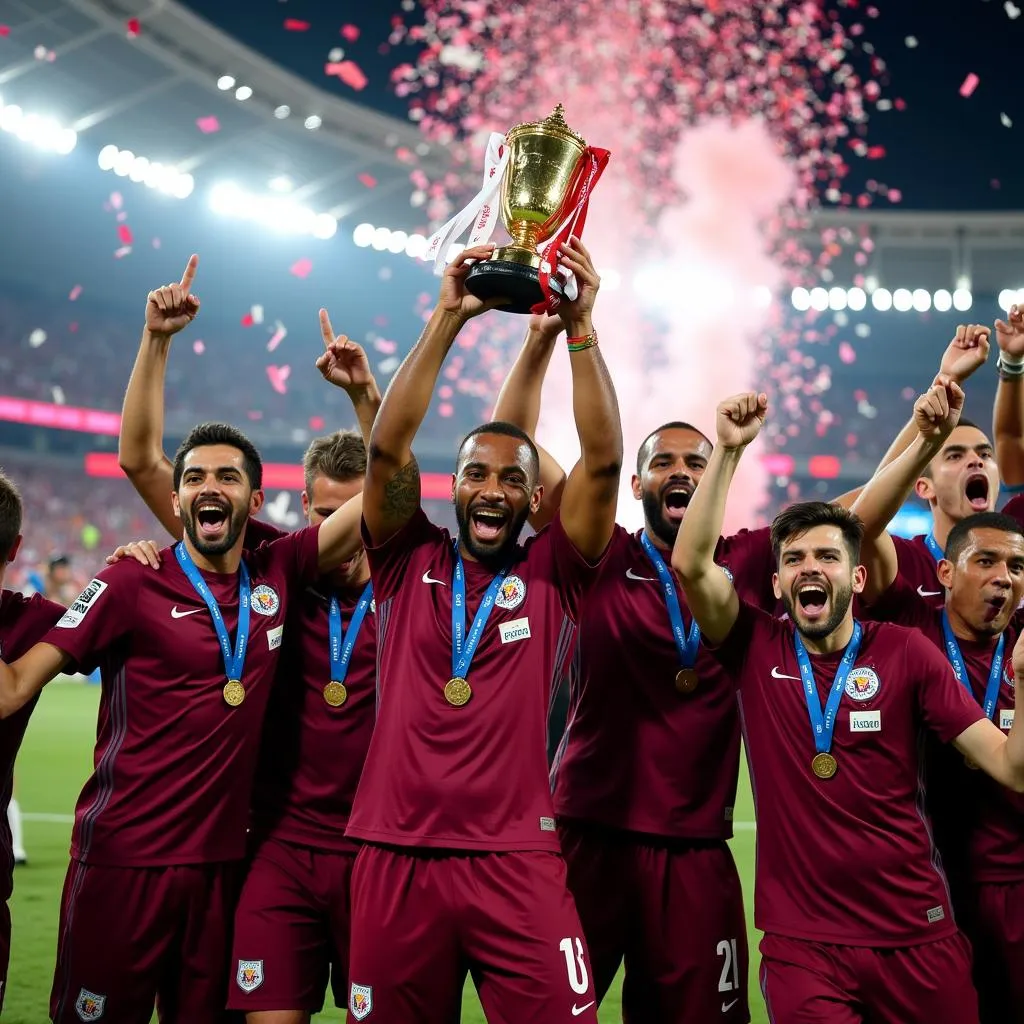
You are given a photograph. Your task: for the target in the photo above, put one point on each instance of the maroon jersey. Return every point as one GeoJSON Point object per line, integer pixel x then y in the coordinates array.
{"type": "Point", "coordinates": [846, 860]}
{"type": "Point", "coordinates": [471, 777]}
{"type": "Point", "coordinates": [990, 817]}
{"type": "Point", "coordinates": [917, 565]}
{"type": "Point", "coordinates": [636, 754]}
{"type": "Point", "coordinates": [24, 621]}
{"type": "Point", "coordinates": [174, 763]}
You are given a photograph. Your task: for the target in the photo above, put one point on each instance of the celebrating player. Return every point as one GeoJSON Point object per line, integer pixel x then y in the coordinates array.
{"type": "Point", "coordinates": [982, 573]}
{"type": "Point", "coordinates": [292, 921]}
{"type": "Point", "coordinates": [461, 866]}
{"type": "Point", "coordinates": [849, 892]}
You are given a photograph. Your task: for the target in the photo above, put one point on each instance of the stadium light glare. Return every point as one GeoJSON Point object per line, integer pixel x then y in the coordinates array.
{"type": "Point", "coordinates": [275, 212]}
{"type": "Point", "coordinates": [151, 173]}
{"type": "Point", "coordinates": [381, 237]}
{"type": "Point", "coordinates": [281, 183]}
{"type": "Point", "coordinates": [881, 299]}
{"type": "Point", "coordinates": [856, 299]}
{"type": "Point", "coordinates": [138, 169]}
{"type": "Point", "coordinates": [67, 139]}
{"type": "Point", "coordinates": [108, 154]}
{"type": "Point", "coordinates": [325, 226]}
{"type": "Point", "coordinates": [363, 235]}
{"type": "Point", "coordinates": [397, 242]}
{"type": "Point", "coordinates": [801, 299]}
{"type": "Point", "coordinates": [225, 82]}
{"type": "Point", "coordinates": [962, 300]}
{"type": "Point", "coordinates": [416, 247]}
{"type": "Point", "coordinates": [243, 92]}
{"type": "Point", "coordinates": [921, 300]}
{"type": "Point", "coordinates": [10, 117]}
{"type": "Point", "coordinates": [836, 299]}
{"type": "Point", "coordinates": [762, 295]}
{"type": "Point", "coordinates": [183, 187]}
{"type": "Point", "coordinates": [1009, 297]}
{"type": "Point", "coordinates": [942, 300]}
{"type": "Point", "coordinates": [123, 162]}
{"type": "Point", "coordinates": [819, 299]}
{"type": "Point", "coordinates": [902, 300]}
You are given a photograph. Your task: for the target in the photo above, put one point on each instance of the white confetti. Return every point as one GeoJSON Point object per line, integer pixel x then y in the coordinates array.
{"type": "Point", "coordinates": [1005, 120]}
{"type": "Point", "coordinates": [280, 333]}
{"type": "Point", "coordinates": [37, 337]}
{"type": "Point", "coordinates": [388, 365]}
{"type": "Point", "coordinates": [336, 54]}
{"type": "Point", "coordinates": [1012, 10]}
{"type": "Point", "coordinates": [256, 312]}
{"type": "Point", "coordinates": [911, 42]}
{"type": "Point", "coordinates": [58, 394]}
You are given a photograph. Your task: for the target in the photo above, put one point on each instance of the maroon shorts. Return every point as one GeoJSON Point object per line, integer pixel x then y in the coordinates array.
{"type": "Point", "coordinates": [672, 912]}
{"type": "Point", "coordinates": [997, 934]}
{"type": "Point", "coordinates": [291, 929]}
{"type": "Point", "coordinates": [134, 937]}
{"type": "Point", "coordinates": [422, 919]}
{"type": "Point", "coordinates": [817, 983]}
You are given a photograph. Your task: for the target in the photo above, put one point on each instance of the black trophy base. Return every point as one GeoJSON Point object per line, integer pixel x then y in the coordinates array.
{"type": "Point", "coordinates": [503, 279]}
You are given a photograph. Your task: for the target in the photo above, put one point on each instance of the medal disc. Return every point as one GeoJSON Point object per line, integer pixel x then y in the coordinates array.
{"type": "Point", "coordinates": [457, 692]}
{"type": "Point", "coordinates": [234, 693]}
{"type": "Point", "coordinates": [824, 766]}
{"type": "Point", "coordinates": [335, 693]}
{"type": "Point", "coordinates": [686, 680]}
{"type": "Point", "coordinates": [973, 765]}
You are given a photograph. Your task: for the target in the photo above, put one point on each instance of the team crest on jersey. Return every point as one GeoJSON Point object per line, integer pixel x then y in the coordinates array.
{"type": "Point", "coordinates": [90, 1006]}
{"type": "Point", "coordinates": [249, 975]}
{"type": "Point", "coordinates": [361, 1001]}
{"type": "Point", "coordinates": [1008, 676]}
{"type": "Point", "coordinates": [862, 684]}
{"type": "Point", "coordinates": [512, 593]}
{"type": "Point", "coordinates": [265, 600]}
{"type": "Point", "coordinates": [727, 571]}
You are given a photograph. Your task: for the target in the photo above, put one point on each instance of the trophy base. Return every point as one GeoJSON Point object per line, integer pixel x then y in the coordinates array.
{"type": "Point", "coordinates": [508, 279]}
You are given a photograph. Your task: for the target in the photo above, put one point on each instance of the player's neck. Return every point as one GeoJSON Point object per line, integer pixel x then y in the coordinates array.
{"type": "Point", "coordinates": [963, 630]}
{"type": "Point", "coordinates": [941, 525]}
{"type": "Point", "coordinates": [656, 540]}
{"type": "Point", "coordinates": [835, 641]}
{"type": "Point", "coordinates": [223, 564]}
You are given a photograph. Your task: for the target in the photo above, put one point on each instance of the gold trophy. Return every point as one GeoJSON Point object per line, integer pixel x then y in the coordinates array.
{"type": "Point", "coordinates": [545, 160]}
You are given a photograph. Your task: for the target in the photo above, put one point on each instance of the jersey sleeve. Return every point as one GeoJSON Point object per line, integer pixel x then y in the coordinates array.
{"type": "Point", "coordinates": [917, 565]}
{"type": "Point", "coordinates": [946, 706]}
{"type": "Point", "coordinates": [1014, 508]}
{"type": "Point", "coordinates": [746, 634]}
{"type": "Point", "coordinates": [901, 604]}
{"type": "Point", "coordinates": [575, 574]}
{"type": "Point", "coordinates": [102, 614]}
{"type": "Point", "coordinates": [296, 554]}
{"type": "Point", "coordinates": [390, 560]}
{"type": "Point", "coordinates": [258, 532]}
{"type": "Point", "coordinates": [748, 557]}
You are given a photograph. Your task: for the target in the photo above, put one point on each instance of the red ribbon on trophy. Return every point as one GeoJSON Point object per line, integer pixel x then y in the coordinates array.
{"type": "Point", "coordinates": [577, 203]}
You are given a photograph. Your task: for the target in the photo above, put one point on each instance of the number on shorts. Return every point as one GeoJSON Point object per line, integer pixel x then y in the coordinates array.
{"type": "Point", "coordinates": [731, 966]}
{"type": "Point", "coordinates": [579, 980]}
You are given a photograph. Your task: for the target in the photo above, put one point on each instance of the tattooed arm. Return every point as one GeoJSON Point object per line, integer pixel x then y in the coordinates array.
{"type": "Point", "coordinates": [391, 495]}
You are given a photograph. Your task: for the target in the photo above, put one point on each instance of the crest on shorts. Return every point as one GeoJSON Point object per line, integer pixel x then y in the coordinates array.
{"type": "Point", "coordinates": [512, 593]}
{"type": "Point", "coordinates": [249, 975]}
{"type": "Point", "coordinates": [90, 1006]}
{"type": "Point", "coordinates": [862, 684]}
{"type": "Point", "coordinates": [360, 1002]}
{"type": "Point", "coordinates": [265, 600]}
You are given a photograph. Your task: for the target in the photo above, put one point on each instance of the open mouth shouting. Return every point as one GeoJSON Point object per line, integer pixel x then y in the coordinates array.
{"type": "Point", "coordinates": [812, 599]}
{"type": "Point", "coordinates": [994, 606]}
{"type": "Point", "coordinates": [212, 519]}
{"type": "Point", "coordinates": [675, 498]}
{"type": "Point", "coordinates": [976, 492]}
{"type": "Point", "coordinates": [487, 523]}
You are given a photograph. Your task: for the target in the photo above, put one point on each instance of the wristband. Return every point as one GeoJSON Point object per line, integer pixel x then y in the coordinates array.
{"type": "Point", "coordinates": [1010, 367]}
{"type": "Point", "coordinates": [586, 341]}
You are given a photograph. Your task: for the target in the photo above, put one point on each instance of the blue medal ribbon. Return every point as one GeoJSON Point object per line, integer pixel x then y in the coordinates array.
{"type": "Point", "coordinates": [234, 661]}
{"type": "Point", "coordinates": [687, 644]}
{"type": "Point", "coordinates": [824, 722]}
{"type": "Point", "coordinates": [956, 659]}
{"type": "Point", "coordinates": [464, 645]}
{"type": "Point", "coordinates": [342, 644]}
{"type": "Point", "coordinates": [933, 547]}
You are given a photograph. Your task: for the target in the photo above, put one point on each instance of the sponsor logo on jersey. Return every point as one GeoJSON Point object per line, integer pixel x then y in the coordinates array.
{"type": "Point", "coordinates": [862, 684]}
{"type": "Point", "coordinates": [547, 824]}
{"type": "Point", "coordinates": [274, 637]}
{"type": "Point", "coordinates": [927, 593]}
{"type": "Point", "coordinates": [936, 914]}
{"type": "Point", "coordinates": [249, 975]}
{"type": "Point", "coordinates": [777, 673]}
{"type": "Point", "coordinates": [630, 575]}
{"type": "Point", "coordinates": [88, 1005]}
{"type": "Point", "coordinates": [515, 629]}
{"type": "Point", "coordinates": [265, 600]}
{"type": "Point", "coordinates": [73, 617]}
{"type": "Point", "coordinates": [360, 1002]}
{"type": "Point", "coordinates": [512, 593]}
{"type": "Point", "coordinates": [1006, 719]}
{"type": "Point", "coordinates": [865, 721]}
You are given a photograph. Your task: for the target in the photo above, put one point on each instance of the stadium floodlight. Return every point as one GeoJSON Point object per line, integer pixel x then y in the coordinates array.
{"type": "Point", "coordinates": [37, 129]}
{"type": "Point", "coordinates": [963, 283]}
{"type": "Point", "coordinates": [801, 299]}
{"type": "Point", "coordinates": [856, 299]}
{"type": "Point", "coordinates": [281, 183]}
{"type": "Point", "coordinates": [921, 299]}
{"type": "Point", "coordinates": [942, 300]}
{"type": "Point", "coordinates": [151, 173]}
{"type": "Point", "coordinates": [313, 122]}
{"type": "Point", "coordinates": [397, 241]}
{"type": "Point", "coordinates": [10, 117]}
{"type": "Point", "coordinates": [225, 82]}
{"type": "Point", "coordinates": [108, 154]}
{"type": "Point", "coordinates": [243, 92]}
{"type": "Point", "coordinates": [819, 299]}
{"type": "Point", "coordinates": [962, 300]}
{"type": "Point", "coordinates": [276, 212]}
{"type": "Point", "coordinates": [138, 169]}
{"type": "Point", "coordinates": [183, 186]}
{"type": "Point", "coordinates": [363, 235]}
{"type": "Point", "coordinates": [381, 237]}
{"type": "Point", "coordinates": [902, 300]}
{"type": "Point", "coordinates": [881, 299]}
{"type": "Point", "coordinates": [1009, 297]}
{"type": "Point", "coordinates": [836, 299]}
{"type": "Point", "coordinates": [282, 111]}
{"type": "Point", "coordinates": [325, 226]}
{"type": "Point", "coordinates": [123, 162]}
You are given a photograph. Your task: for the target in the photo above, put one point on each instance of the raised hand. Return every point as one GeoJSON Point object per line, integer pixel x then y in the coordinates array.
{"type": "Point", "coordinates": [343, 363]}
{"type": "Point", "coordinates": [938, 410]}
{"type": "Point", "coordinates": [576, 314]}
{"type": "Point", "coordinates": [739, 419]}
{"type": "Point", "coordinates": [1010, 332]}
{"type": "Point", "coordinates": [454, 298]}
{"type": "Point", "coordinates": [545, 326]}
{"type": "Point", "coordinates": [144, 551]}
{"type": "Point", "coordinates": [173, 307]}
{"type": "Point", "coordinates": [966, 352]}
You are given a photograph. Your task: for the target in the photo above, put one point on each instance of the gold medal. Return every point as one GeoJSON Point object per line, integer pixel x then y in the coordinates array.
{"type": "Point", "coordinates": [457, 692]}
{"type": "Point", "coordinates": [824, 766]}
{"type": "Point", "coordinates": [234, 693]}
{"type": "Point", "coordinates": [335, 693]}
{"type": "Point", "coordinates": [686, 680]}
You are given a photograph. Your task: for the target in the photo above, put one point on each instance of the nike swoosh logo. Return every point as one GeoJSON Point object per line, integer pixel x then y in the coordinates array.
{"type": "Point", "coordinates": [776, 674]}
{"type": "Point", "coordinates": [630, 575]}
{"type": "Point", "coordinates": [427, 579]}
{"type": "Point", "coordinates": [726, 1007]}
{"type": "Point", "coordinates": [175, 614]}
{"type": "Point", "coordinates": [577, 1010]}
{"type": "Point", "coordinates": [928, 593]}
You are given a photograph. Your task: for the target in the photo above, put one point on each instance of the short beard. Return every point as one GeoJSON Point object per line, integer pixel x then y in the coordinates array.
{"type": "Point", "coordinates": [655, 519]}
{"type": "Point", "coordinates": [496, 557]}
{"type": "Point", "coordinates": [214, 549]}
{"type": "Point", "coordinates": [841, 598]}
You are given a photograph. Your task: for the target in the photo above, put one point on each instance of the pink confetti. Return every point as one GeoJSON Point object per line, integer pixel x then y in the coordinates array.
{"type": "Point", "coordinates": [280, 333]}
{"type": "Point", "coordinates": [278, 377]}
{"type": "Point", "coordinates": [446, 409]}
{"type": "Point", "coordinates": [970, 83]}
{"type": "Point", "coordinates": [846, 352]}
{"type": "Point", "coordinates": [116, 200]}
{"type": "Point", "coordinates": [125, 234]}
{"type": "Point", "coordinates": [5, 31]}
{"type": "Point", "coordinates": [368, 180]}
{"type": "Point", "coordinates": [317, 423]}
{"type": "Point", "coordinates": [133, 27]}
{"type": "Point", "coordinates": [208, 124]}
{"type": "Point", "coordinates": [120, 254]}
{"type": "Point", "coordinates": [350, 32]}
{"type": "Point", "coordinates": [348, 72]}
{"type": "Point", "coordinates": [198, 347]}
{"type": "Point", "coordinates": [301, 268]}
{"type": "Point", "coordinates": [74, 293]}
{"type": "Point", "coordinates": [247, 320]}
{"type": "Point", "coordinates": [296, 25]}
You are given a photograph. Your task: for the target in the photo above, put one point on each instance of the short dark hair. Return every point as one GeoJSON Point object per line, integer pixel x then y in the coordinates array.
{"type": "Point", "coordinates": [338, 456]}
{"type": "Point", "coordinates": [960, 536]}
{"type": "Point", "coordinates": [641, 452]}
{"type": "Point", "coordinates": [964, 422]}
{"type": "Point", "coordinates": [220, 433]}
{"type": "Point", "coordinates": [10, 516]}
{"type": "Point", "coordinates": [805, 515]}
{"type": "Point", "coordinates": [506, 430]}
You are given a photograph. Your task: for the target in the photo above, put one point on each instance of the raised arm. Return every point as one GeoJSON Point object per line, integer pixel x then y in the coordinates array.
{"type": "Point", "coordinates": [936, 413]}
{"type": "Point", "coordinates": [592, 489]}
{"type": "Point", "coordinates": [519, 403]}
{"type": "Point", "coordinates": [140, 447]}
{"type": "Point", "coordinates": [1008, 412]}
{"type": "Point", "coordinates": [709, 592]}
{"type": "Point", "coordinates": [391, 494]}
{"type": "Point", "coordinates": [21, 680]}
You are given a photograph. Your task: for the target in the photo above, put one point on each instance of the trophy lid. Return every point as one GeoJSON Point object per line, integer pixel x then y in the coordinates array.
{"type": "Point", "coordinates": [554, 125]}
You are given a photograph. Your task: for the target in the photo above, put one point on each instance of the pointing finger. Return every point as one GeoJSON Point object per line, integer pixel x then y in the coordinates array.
{"type": "Point", "coordinates": [326, 330]}
{"type": "Point", "coordinates": [190, 273]}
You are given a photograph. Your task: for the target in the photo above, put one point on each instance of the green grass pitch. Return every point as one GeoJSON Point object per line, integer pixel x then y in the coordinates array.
{"type": "Point", "coordinates": [54, 762]}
